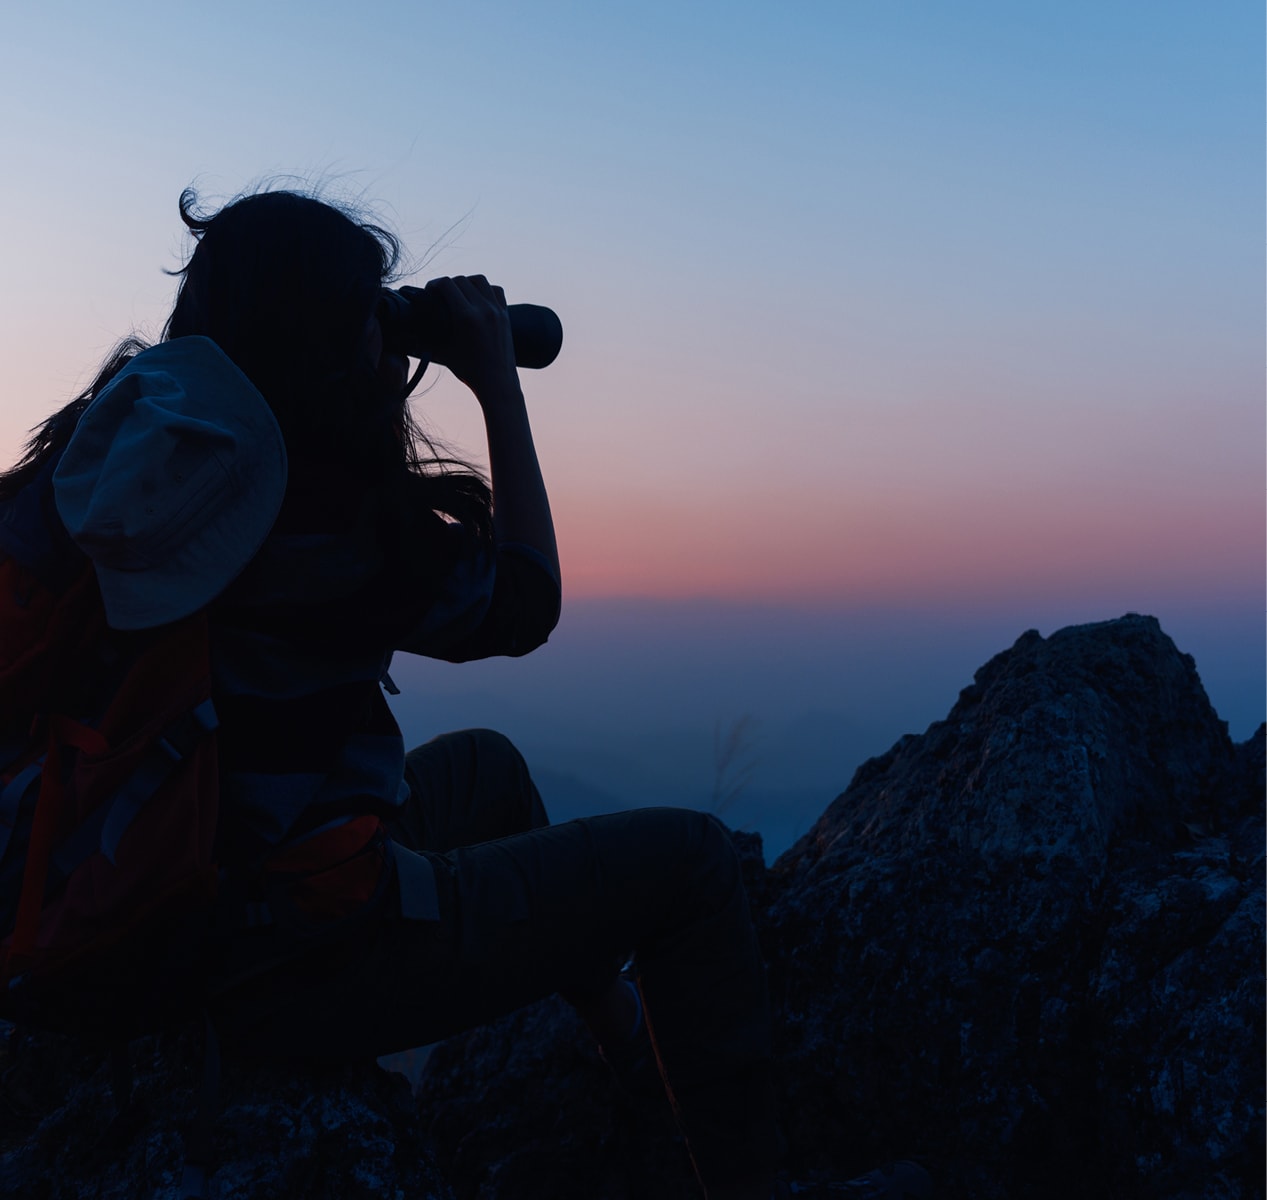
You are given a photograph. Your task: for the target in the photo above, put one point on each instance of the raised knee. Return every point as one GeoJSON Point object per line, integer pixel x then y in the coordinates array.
{"type": "Point", "coordinates": [488, 743]}
{"type": "Point", "coordinates": [711, 859]}
{"type": "Point", "coordinates": [501, 767]}
{"type": "Point", "coordinates": [484, 748]}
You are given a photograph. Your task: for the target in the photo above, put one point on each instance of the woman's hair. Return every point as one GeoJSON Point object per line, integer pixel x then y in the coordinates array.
{"type": "Point", "coordinates": [50, 437]}
{"type": "Point", "coordinates": [285, 284]}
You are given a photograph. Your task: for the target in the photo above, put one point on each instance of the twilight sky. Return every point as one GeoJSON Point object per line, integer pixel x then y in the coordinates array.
{"type": "Point", "coordinates": [939, 307]}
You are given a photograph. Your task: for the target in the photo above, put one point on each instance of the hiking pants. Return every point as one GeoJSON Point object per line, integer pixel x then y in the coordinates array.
{"type": "Point", "coordinates": [527, 909]}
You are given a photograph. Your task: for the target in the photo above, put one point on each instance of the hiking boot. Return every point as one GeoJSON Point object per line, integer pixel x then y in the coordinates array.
{"type": "Point", "coordinates": [631, 1059]}
{"type": "Point", "coordinates": [633, 1064]}
{"type": "Point", "coordinates": [897, 1181]}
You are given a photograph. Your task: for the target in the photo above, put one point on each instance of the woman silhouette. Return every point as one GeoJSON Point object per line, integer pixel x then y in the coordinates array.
{"type": "Point", "coordinates": [261, 462]}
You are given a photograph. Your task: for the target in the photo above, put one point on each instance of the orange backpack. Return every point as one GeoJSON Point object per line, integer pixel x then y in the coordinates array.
{"type": "Point", "coordinates": [108, 775]}
{"type": "Point", "coordinates": [109, 803]}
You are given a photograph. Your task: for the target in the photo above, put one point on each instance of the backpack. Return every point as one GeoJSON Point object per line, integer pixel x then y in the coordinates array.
{"type": "Point", "coordinates": [109, 785]}
{"type": "Point", "coordinates": [111, 896]}
{"type": "Point", "coordinates": [110, 888]}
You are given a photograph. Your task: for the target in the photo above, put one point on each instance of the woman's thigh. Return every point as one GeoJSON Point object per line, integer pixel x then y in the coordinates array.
{"type": "Point", "coordinates": [520, 918]}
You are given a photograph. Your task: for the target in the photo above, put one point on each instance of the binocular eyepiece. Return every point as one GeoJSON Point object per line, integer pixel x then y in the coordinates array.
{"type": "Point", "coordinates": [418, 325]}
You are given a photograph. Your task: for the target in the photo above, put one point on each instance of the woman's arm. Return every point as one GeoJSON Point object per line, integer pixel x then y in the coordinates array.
{"type": "Point", "coordinates": [481, 354]}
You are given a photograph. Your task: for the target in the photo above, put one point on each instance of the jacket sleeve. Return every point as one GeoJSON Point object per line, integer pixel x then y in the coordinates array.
{"type": "Point", "coordinates": [500, 602]}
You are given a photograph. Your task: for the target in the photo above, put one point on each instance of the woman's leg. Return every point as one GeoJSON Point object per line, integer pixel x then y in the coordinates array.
{"type": "Point", "coordinates": [548, 911]}
{"type": "Point", "coordinates": [474, 786]}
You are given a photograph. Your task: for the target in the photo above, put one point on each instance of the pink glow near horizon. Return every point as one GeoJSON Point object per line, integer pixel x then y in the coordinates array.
{"type": "Point", "coordinates": [1054, 547]}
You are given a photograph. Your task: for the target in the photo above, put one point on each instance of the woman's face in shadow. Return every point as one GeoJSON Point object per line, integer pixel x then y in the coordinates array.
{"type": "Point", "coordinates": [392, 369]}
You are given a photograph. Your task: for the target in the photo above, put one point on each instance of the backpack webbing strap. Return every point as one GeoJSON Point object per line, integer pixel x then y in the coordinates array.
{"type": "Point", "coordinates": [416, 883]}
{"type": "Point", "coordinates": [104, 829]}
{"type": "Point", "coordinates": [43, 831]}
{"type": "Point", "coordinates": [11, 802]}
{"type": "Point", "coordinates": [177, 742]}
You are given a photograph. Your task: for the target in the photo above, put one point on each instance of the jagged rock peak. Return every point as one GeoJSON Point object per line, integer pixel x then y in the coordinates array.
{"type": "Point", "coordinates": [1111, 714]}
{"type": "Point", "coordinates": [1027, 944]}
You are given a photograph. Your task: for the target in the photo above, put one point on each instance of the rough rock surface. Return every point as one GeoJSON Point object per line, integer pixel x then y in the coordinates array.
{"type": "Point", "coordinates": [1028, 945]}
{"type": "Point", "coordinates": [1025, 947]}
{"type": "Point", "coordinates": [345, 1134]}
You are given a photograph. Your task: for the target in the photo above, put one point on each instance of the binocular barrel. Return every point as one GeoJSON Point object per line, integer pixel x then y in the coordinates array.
{"type": "Point", "coordinates": [418, 325]}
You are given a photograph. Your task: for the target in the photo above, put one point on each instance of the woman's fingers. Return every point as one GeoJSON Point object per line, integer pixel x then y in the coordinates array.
{"type": "Point", "coordinates": [480, 349]}
{"type": "Point", "coordinates": [471, 292]}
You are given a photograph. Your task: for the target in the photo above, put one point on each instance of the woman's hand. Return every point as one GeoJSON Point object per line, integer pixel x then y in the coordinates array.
{"type": "Point", "coordinates": [478, 346]}
{"type": "Point", "coordinates": [481, 353]}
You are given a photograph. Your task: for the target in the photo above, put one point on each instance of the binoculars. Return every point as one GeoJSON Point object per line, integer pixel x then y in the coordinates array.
{"type": "Point", "coordinates": [418, 325]}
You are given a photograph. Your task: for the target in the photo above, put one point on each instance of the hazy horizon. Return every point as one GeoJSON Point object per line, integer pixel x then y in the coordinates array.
{"type": "Point", "coordinates": [619, 709]}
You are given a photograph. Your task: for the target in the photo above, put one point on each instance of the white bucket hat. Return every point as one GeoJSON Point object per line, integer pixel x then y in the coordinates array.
{"type": "Point", "coordinates": [171, 481]}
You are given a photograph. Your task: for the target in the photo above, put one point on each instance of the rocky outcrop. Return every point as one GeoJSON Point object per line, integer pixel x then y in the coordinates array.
{"type": "Point", "coordinates": [1028, 944]}
{"type": "Point", "coordinates": [1025, 947]}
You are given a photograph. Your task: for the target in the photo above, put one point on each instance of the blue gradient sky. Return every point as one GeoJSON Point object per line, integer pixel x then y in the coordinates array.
{"type": "Point", "coordinates": [946, 308]}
